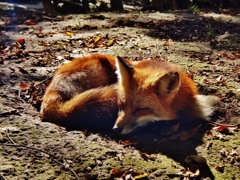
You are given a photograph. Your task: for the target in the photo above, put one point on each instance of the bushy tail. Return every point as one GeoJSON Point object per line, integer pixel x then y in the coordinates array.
{"type": "Point", "coordinates": [94, 109]}
{"type": "Point", "coordinates": [51, 107]}
{"type": "Point", "coordinates": [206, 103]}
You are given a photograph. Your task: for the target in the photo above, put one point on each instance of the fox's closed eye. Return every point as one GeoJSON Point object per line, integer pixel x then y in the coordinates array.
{"type": "Point", "coordinates": [141, 111]}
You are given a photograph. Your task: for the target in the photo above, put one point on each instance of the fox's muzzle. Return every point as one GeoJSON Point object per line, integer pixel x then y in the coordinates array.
{"type": "Point", "coordinates": [117, 129]}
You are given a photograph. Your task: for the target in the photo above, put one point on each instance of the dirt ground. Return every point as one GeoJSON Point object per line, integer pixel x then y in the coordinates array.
{"type": "Point", "coordinates": [32, 45]}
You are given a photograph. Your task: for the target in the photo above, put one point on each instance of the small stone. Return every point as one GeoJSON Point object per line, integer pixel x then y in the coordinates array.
{"type": "Point", "coordinates": [88, 169]}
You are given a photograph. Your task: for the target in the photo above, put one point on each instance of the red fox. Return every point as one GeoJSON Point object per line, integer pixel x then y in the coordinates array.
{"type": "Point", "coordinates": [101, 92]}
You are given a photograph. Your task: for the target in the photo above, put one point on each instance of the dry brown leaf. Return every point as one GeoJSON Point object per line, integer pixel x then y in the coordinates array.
{"type": "Point", "coordinates": [220, 168]}
{"type": "Point", "coordinates": [173, 129]}
{"type": "Point", "coordinates": [117, 172]}
{"type": "Point", "coordinates": [127, 142]}
{"type": "Point", "coordinates": [185, 135]}
{"type": "Point", "coordinates": [223, 129]}
{"type": "Point", "coordinates": [29, 22]}
{"type": "Point", "coordinates": [188, 174]}
{"type": "Point", "coordinates": [21, 41]}
{"type": "Point", "coordinates": [23, 85]}
{"type": "Point", "coordinates": [147, 156]}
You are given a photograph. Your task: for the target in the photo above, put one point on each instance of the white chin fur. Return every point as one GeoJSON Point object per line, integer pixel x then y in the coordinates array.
{"type": "Point", "coordinates": [141, 122]}
{"type": "Point", "coordinates": [127, 131]}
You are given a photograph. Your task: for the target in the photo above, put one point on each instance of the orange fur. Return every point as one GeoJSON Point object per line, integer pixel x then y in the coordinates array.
{"type": "Point", "coordinates": [86, 93]}
{"type": "Point", "coordinates": [82, 89]}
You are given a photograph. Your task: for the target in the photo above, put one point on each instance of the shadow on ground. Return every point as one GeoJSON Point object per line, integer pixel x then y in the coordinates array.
{"type": "Point", "coordinates": [151, 140]}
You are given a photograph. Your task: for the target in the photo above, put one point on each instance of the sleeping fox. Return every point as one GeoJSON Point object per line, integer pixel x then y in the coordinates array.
{"type": "Point", "coordinates": [101, 92]}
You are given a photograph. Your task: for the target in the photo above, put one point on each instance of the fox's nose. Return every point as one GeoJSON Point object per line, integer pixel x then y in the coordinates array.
{"type": "Point", "coordinates": [117, 129]}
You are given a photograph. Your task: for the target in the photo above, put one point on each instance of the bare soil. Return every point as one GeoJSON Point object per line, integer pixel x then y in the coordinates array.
{"type": "Point", "coordinates": [32, 45]}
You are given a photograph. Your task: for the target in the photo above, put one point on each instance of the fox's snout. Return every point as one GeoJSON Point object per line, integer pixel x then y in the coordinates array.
{"type": "Point", "coordinates": [127, 128]}
{"type": "Point", "coordinates": [124, 130]}
{"type": "Point", "coordinates": [117, 129]}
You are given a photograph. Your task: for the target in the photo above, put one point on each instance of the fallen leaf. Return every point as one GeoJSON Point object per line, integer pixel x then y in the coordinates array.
{"type": "Point", "coordinates": [40, 30]}
{"type": "Point", "coordinates": [141, 176]}
{"type": "Point", "coordinates": [97, 39]}
{"type": "Point", "coordinates": [53, 32]}
{"type": "Point", "coordinates": [147, 156]}
{"type": "Point", "coordinates": [237, 55]}
{"type": "Point", "coordinates": [224, 54]}
{"type": "Point", "coordinates": [29, 22]}
{"type": "Point", "coordinates": [223, 129]}
{"type": "Point", "coordinates": [21, 41]}
{"type": "Point", "coordinates": [174, 128]}
{"type": "Point", "coordinates": [110, 43]}
{"type": "Point", "coordinates": [185, 135]}
{"type": "Point", "coordinates": [43, 43]}
{"type": "Point", "coordinates": [117, 172]}
{"type": "Point", "coordinates": [23, 85]}
{"type": "Point", "coordinates": [224, 83]}
{"type": "Point", "coordinates": [86, 133]}
{"type": "Point", "coordinates": [219, 78]}
{"type": "Point", "coordinates": [166, 43]}
{"type": "Point", "coordinates": [231, 58]}
{"type": "Point", "coordinates": [127, 142]}
{"type": "Point", "coordinates": [188, 174]}
{"type": "Point", "coordinates": [220, 168]}
{"type": "Point", "coordinates": [68, 33]}
{"type": "Point", "coordinates": [189, 75]}
{"type": "Point", "coordinates": [193, 56]}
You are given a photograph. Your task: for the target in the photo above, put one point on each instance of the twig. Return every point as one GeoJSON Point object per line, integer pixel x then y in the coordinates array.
{"type": "Point", "coordinates": [1, 175]}
{"type": "Point", "coordinates": [54, 158]}
{"type": "Point", "coordinates": [43, 81]}
{"type": "Point", "coordinates": [19, 96]}
{"type": "Point", "coordinates": [50, 18]}
{"type": "Point", "coordinates": [6, 132]}
{"type": "Point", "coordinates": [164, 139]}
{"type": "Point", "coordinates": [219, 124]}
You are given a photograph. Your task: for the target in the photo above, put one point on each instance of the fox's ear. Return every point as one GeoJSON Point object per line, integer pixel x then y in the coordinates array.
{"type": "Point", "coordinates": [124, 69]}
{"type": "Point", "coordinates": [169, 83]}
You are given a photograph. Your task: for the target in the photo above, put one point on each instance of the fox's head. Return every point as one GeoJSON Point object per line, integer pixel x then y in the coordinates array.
{"type": "Point", "coordinates": [146, 91]}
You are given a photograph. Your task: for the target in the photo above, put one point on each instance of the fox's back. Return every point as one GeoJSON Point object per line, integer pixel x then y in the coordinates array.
{"type": "Point", "coordinates": [83, 74]}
